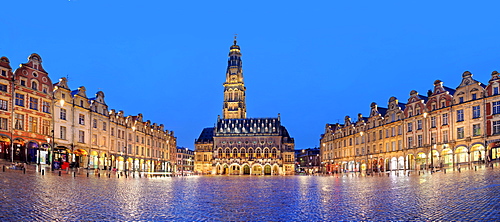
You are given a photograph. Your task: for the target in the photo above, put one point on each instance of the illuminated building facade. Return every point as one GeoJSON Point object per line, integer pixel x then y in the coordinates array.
{"type": "Point", "coordinates": [238, 145]}
{"type": "Point", "coordinates": [36, 115]}
{"type": "Point", "coordinates": [447, 128]}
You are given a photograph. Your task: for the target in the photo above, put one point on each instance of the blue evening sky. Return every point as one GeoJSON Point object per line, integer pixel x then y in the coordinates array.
{"type": "Point", "coordinates": [312, 61]}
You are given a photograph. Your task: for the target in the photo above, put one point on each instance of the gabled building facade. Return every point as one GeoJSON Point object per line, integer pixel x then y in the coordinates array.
{"type": "Point", "coordinates": [446, 128]}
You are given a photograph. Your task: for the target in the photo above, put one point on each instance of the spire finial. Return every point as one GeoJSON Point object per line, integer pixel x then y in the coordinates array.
{"type": "Point", "coordinates": [235, 35]}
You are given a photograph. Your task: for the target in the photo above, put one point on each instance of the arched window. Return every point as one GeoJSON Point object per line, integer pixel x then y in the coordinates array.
{"type": "Point", "coordinates": [228, 153]}
{"type": "Point", "coordinates": [243, 152]}
{"type": "Point", "coordinates": [266, 153]}
{"type": "Point", "coordinates": [274, 151]}
{"type": "Point", "coordinates": [250, 152]}
{"type": "Point", "coordinates": [258, 153]}
{"type": "Point", "coordinates": [34, 85]}
{"type": "Point", "coordinates": [235, 152]}
{"type": "Point", "coordinates": [220, 153]}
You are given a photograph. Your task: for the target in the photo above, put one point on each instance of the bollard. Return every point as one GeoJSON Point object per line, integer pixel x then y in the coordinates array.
{"type": "Point", "coordinates": [139, 175]}
{"type": "Point", "coordinates": [3, 168]}
{"type": "Point", "coordinates": [109, 175]}
{"type": "Point", "coordinates": [87, 174]}
{"type": "Point", "coordinates": [74, 174]}
{"type": "Point", "coordinates": [419, 172]}
{"type": "Point", "coordinates": [459, 169]}
{"type": "Point", "coordinates": [24, 170]}
{"type": "Point", "coordinates": [98, 174]}
{"type": "Point", "coordinates": [133, 175]}
{"type": "Point", "coordinates": [444, 171]}
{"type": "Point", "coordinates": [475, 168]}
{"type": "Point", "coordinates": [59, 173]}
{"type": "Point", "coordinates": [43, 172]}
{"type": "Point", "coordinates": [118, 175]}
{"type": "Point", "coordinates": [126, 175]}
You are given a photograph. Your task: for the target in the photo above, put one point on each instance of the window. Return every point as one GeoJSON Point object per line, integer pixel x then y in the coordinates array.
{"type": "Point", "coordinates": [94, 123]}
{"type": "Point", "coordinates": [94, 139]}
{"type": "Point", "coordinates": [393, 131]}
{"type": "Point", "coordinates": [45, 127]}
{"type": "Point", "coordinates": [33, 124]}
{"type": "Point", "coordinates": [3, 123]}
{"type": "Point", "coordinates": [433, 138]}
{"type": "Point", "coordinates": [433, 106]}
{"type": "Point", "coordinates": [386, 133]}
{"type": "Point", "coordinates": [443, 104]}
{"type": "Point", "coordinates": [81, 136]}
{"type": "Point", "coordinates": [103, 141]}
{"type": "Point", "coordinates": [410, 113]}
{"type": "Point", "coordinates": [23, 82]}
{"type": "Point", "coordinates": [4, 73]}
{"type": "Point", "coordinates": [104, 127]}
{"type": "Point", "coordinates": [474, 96]}
{"type": "Point", "coordinates": [410, 141]}
{"type": "Point", "coordinates": [386, 147]}
{"type": "Point", "coordinates": [460, 133]}
{"type": "Point", "coordinates": [113, 132]}
{"type": "Point", "coordinates": [380, 134]}
{"type": "Point", "coordinates": [62, 114]}
{"type": "Point", "coordinates": [445, 119]}
{"type": "Point", "coordinates": [433, 121]}
{"type": "Point", "coordinates": [81, 119]}
{"type": "Point", "coordinates": [4, 104]}
{"type": "Point", "coordinates": [461, 99]}
{"type": "Point", "coordinates": [33, 103]}
{"type": "Point", "coordinates": [476, 111]}
{"type": "Point", "coordinates": [34, 85]}
{"type": "Point", "coordinates": [19, 121]}
{"type": "Point", "coordinates": [460, 115]}
{"type": "Point", "coordinates": [419, 141]}
{"type": "Point", "coordinates": [410, 127]}
{"type": "Point", "coordinates": [419, 124]}
{"type": "Point", "coordinates": [495, 90]}
{"type": "Point", "coordinates": [81, 103]}
{"type": "Point", "coordinates": [19, 99]}
{"type": "Point", "coordinates": [400, 130]}
{"type": "Point", "coordinates": [476, 130]}
{"type": "Point", "coordinates": [63, 133]}
{"type": "Point", "coordinates": [496, 127]}
{"type": "Point", "coordinates": [45, 107]}
{"type": "Point", "coordinates": [496, 107]}
{"type": "Point", "coordinates": [400, 145]}
{"type": "Point", "coordinates": [3, 87]}
{"type": "Point", "coordinates": [445, 136]}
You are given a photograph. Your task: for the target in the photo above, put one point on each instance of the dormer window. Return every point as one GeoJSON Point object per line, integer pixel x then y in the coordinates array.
{"type": "Point", "coordinates": [410, 113]}
{"type": "Point", "coordinates": [23, 82]}
{"type": "Point", "coordinates": [495, 90]}
{"type": "Point", "coordinates": [461, 99]}
{"type": "Point", "coordinates": [81, 103]}
{"type": "Point", "coordinates": [433, 106]}
{"type": "Point", "coordinates": [63, 96]}
{"type": "Point", "coordinates": [443, 104]}
{"type": "Point", "coordinates": [474, 96]}
{"type": "Point", "coordinates": [4, 73]}
{"type": "Point", "coordinates": [417, 111]}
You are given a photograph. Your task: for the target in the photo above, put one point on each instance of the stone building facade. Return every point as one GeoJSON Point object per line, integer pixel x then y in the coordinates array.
{"type": "Point", "coordinates": [238, 145]}
{"type": "Point", "coordinates": [447, 128]}
{"type": "Point", "coordinates": [36, 115]}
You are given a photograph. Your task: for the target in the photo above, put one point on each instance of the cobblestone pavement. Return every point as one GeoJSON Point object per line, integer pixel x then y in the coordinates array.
{"type": "Point", "coordinates": [452, 196]}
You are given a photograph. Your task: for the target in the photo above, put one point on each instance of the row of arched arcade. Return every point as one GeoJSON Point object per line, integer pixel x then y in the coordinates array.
{"type": "Point", "coordinates": [247, 169]}
{"type": "Point", "coordinates": [419, 160]}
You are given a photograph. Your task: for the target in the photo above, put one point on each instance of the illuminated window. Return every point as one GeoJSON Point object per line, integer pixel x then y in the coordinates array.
{"type": "Point", "coordinates": [4, 104]}
{"type": "Point", "coordinates": [460, 133]}
{"type": "Point", "coordinates": [476, 129]}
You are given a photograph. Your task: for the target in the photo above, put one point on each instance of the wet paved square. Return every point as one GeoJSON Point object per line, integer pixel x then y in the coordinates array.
{"type": "Point", "coordinates": [454, 196]}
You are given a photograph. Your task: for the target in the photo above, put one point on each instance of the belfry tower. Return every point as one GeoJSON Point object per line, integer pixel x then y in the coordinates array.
{"type": "Point", "coordinates": [234, 106]}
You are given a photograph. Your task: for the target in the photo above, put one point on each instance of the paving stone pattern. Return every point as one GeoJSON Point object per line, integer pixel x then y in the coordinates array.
{"type": "Point", "coordinates": [454, 196]}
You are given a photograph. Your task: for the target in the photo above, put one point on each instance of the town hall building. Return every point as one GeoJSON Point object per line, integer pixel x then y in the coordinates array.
{"type": "Point", "coordinates": [238, 145]}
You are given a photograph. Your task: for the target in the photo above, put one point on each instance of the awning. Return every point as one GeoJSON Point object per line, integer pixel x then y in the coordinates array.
{"type": "Point", "coordinates": [80, 152]}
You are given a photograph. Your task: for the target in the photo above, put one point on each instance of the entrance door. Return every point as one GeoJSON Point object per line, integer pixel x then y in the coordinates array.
{"type": "Point", "coordinates": [246, 170]}
{"type": "Point", "coordinates": [267, 170]}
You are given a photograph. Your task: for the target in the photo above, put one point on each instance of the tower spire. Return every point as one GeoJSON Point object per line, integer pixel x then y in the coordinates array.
{"type": "Point", "coordinates": [234, 106]}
